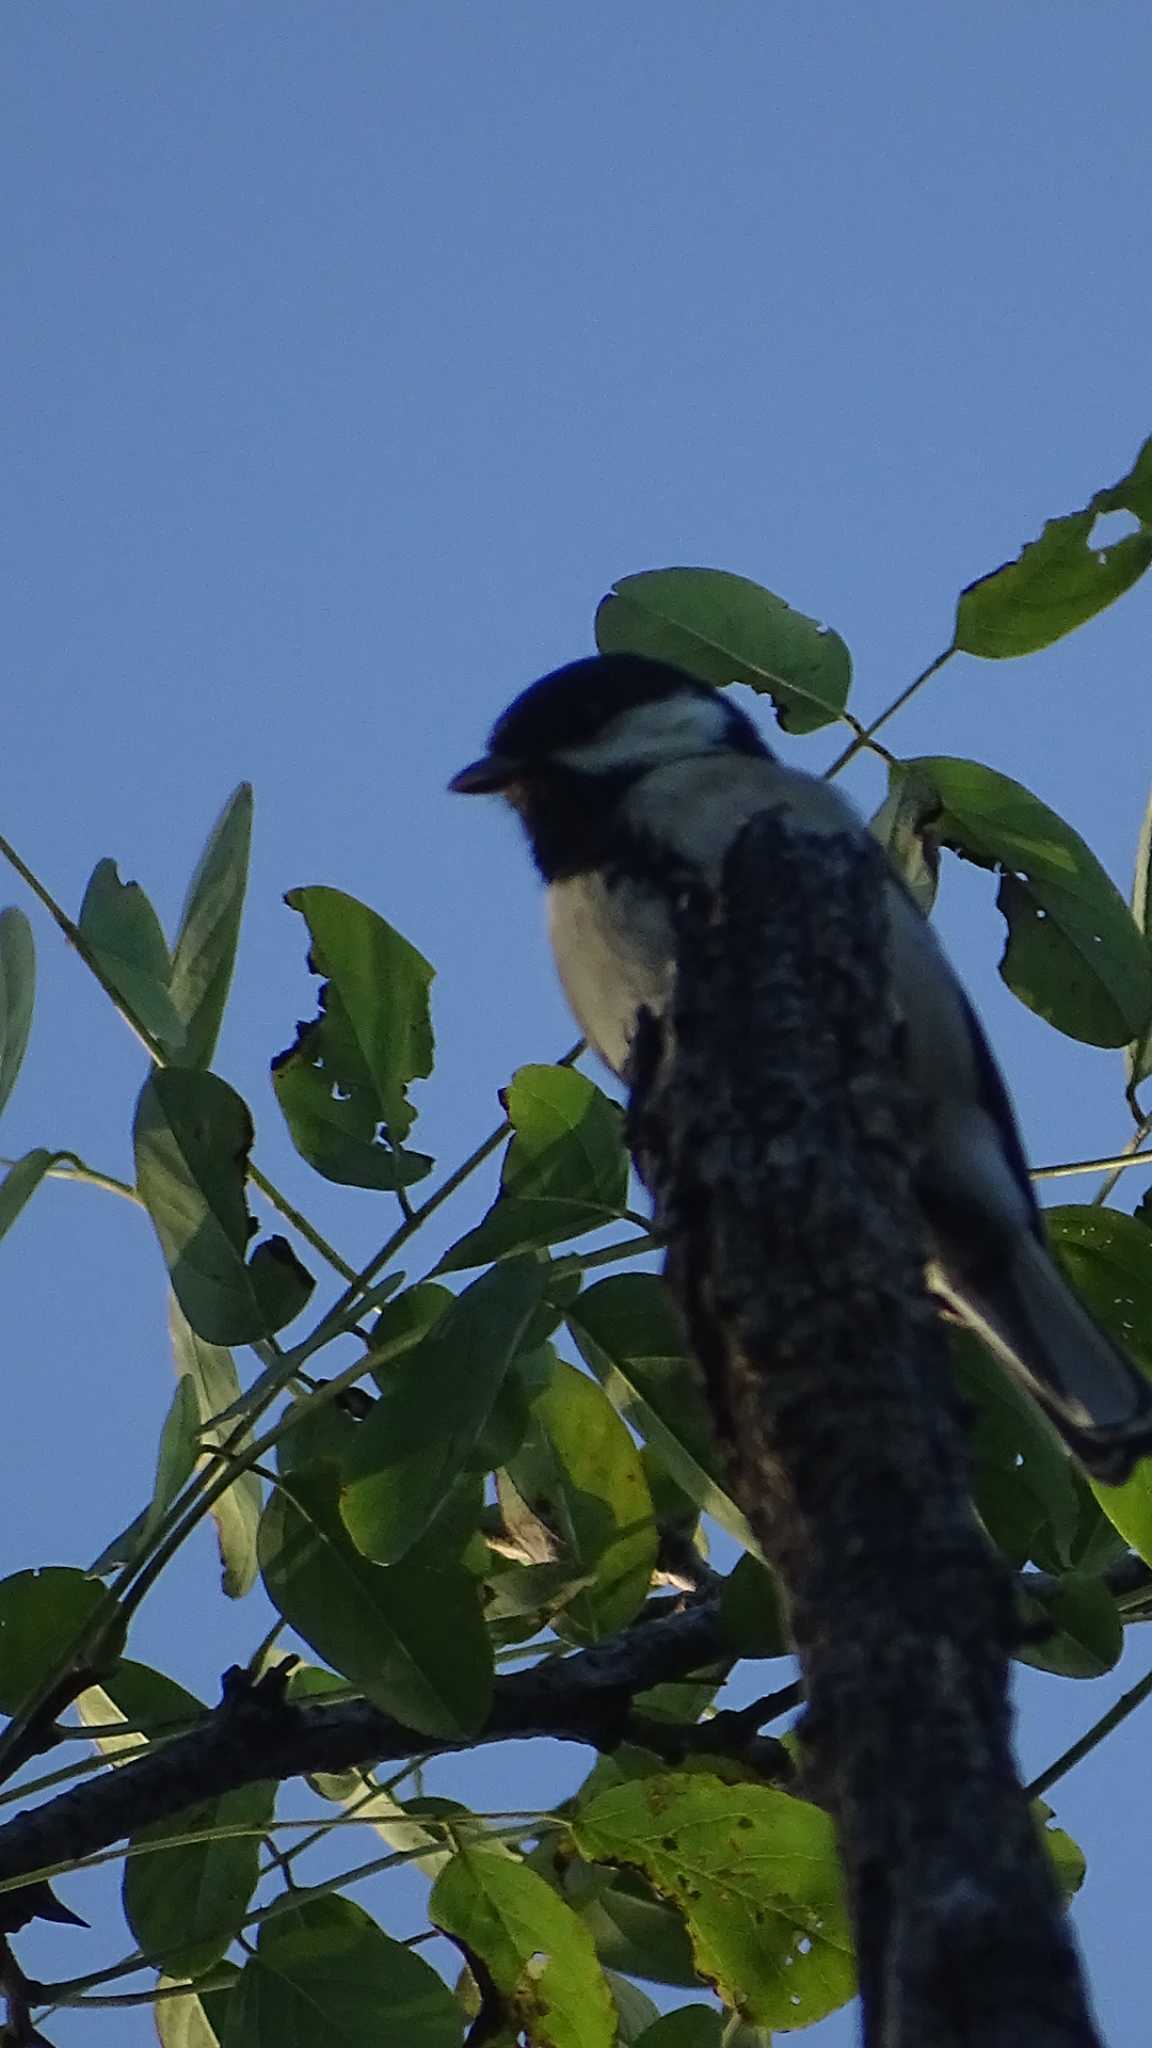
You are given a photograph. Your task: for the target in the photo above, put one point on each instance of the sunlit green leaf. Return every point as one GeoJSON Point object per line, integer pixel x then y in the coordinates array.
{"type": "Point", "coordinates": [726, 629]}
{"type": "Point", "coordinates": [581, 1462]}
{"type": "Point", "coordinates": [536, 1951]}
{"type": "Point", "coordinates": [629, 1333]}
{"type": "Point", "coordinates": [756, 1876]}
{"type": "Point", "coordinates": [1062, 579]}
{"type": "Point", "coordinates": [1068, 1859]}
{"type": "Point", "coordinates": [1074, 954]}
{"type": "Point", "coordinates": [565, 1170]}
{"type": "Point", "coordinates": [192, 1136]}
{"type": "Point", "coordinates": [412, 1637]}
{"type": "Point", "coordinates": [434, 1402]}
{"type": "Point", "coordinates": [205, 949]}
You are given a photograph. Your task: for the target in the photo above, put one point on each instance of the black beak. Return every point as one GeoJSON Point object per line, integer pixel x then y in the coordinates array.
{"type": "Point", "coordinates": [492, 773]}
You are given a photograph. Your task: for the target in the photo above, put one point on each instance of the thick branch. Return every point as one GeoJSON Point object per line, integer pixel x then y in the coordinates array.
{"type": "Point", "coordinates": [773, 1128]}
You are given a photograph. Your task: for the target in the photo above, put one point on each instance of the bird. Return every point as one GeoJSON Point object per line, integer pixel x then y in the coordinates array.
{"type": "Point", "coordinates": [626, 773]}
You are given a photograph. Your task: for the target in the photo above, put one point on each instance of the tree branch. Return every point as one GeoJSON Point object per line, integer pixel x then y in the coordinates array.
{"type": "Point", "coordinates": [770, 1121]}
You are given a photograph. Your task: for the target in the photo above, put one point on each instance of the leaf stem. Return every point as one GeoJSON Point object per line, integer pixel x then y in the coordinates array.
{"type": "Point", "coordinates": [868, 733]}
{"type": "Point", "coordinates": [1125, 1705]}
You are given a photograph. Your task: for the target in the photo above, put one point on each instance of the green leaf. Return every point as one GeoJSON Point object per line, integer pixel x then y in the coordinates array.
{"type": "Point", "coordinates": [21, 1182]}
{"type": "Point", "coordinates": [1068, 1859]}
{"type": "Point", "coordinates": [1139, 1053]}
{"type": "Point", "coordinates": [325, 1975]}
{"type": "Point", "coordinates": [1060, 580]}
{"type": "Point", "coordinates": [193, 1135]}
{"type": "Point", "coordinates": [756, 1876]}
{"type": "Point", "coordinates": [211, 1372]}
{"type": "Point", "coordinates": [637, 1932]}
{"type": "Point", "coordinates": [186, 1902]}
{"type": "Point", "coordinates": [904, 827]}
{"type": "Point", "coordinates": [627, 1330]}
{"type": "Point", "coordinates": [146, 1701]}
{"type": "Point", "coordinates": [197, 2020]}
{"type": "Point", "coordinates": [581, 1462]}
{"type": "Point", "coordinates": [565, 1170]}
{"type": "Point", "coordinates": [694, 2026]}
{"type": "Point", "coordinates": [533, 1947]}
{"type": "Point", "coordinates": [411, 1636]}
{"type": "Point", "coordinates": [1087, 1634]}
{"type": "Point", "coordinates": [1108, 1259]}
{"type": "Point", "coordinates": [41, 1615]}
{"type": "Point", "coordinates": [1074, 954]}
{"type": "Point", "coordinates": [205, 949]}
{"type": "Point", "coordinates": [753, 1618]}
{"type": "Point", "coordinates": [635, 2011]}
{"type": "Point", "coordinates": [343, 1085]}
{"type": "Point", "coordinates": [434, 1403]}
{"type": "Point", "coordinates": [17, 994]}
{"type": "Point", "coordinates": [121, 933]}
{"type": "Point", "coordinates": [1027, 1493]}
{"type": "Point", "coordinates": [726, 629]}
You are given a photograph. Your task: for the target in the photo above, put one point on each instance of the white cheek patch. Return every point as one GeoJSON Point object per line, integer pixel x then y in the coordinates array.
{"type": "Point", "coordinates": [646, 734]}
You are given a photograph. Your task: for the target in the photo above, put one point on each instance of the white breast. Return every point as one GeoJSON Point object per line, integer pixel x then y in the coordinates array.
{"type": "Point", "coordinates": [613, 949]}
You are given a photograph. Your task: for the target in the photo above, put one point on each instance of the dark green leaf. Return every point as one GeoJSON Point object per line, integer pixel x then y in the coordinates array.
{"type": "Point", "coordinates": [1108, 1258]}
{"type": "Point", "coordinates": [638, 1933]}
{"type": "Point", "coordinates": [185, 1903]}
{"type": "Point", "coordinates": [565, 1170]}
{"type": "Point", "coordinates": [21, 1182]}
{"type": "Point", "coordinates": [753, 1619]}
{"type": "Point", "coordinates": [629, 1333]}
{"type": "Point", "coordinates": [205, 949]}
{"type": "Point", "coordinates": [325, 1976]}
{"type": "Point", "coordinates": [581, 1464]}
{"type": "Point", "coordinates": [1084, 1633]}
{"type": "Point", "coordinates": [374, 1034]}
{"type": "Point", "coordinates": [42, 1613]}
{"type": "Point", "coordinates": [1139, 1054]}
{"type": "Point", "coordinates": [210, 1370]}
{"type": "Point", "coordinates": [1062, 579]}
{"type": "Point", "coordinates": [726, 629]}
{"type": "Point", "coordinates": [412, 1637]}
{"type": "Point", "coordinates": [334, 1124]}
{"type": "Point", "coordinates": [756, 1876]}
{"type": "Point", "coordinates": [1074, 954]}
{"type": "Point", "coordinates": [635, 2011]}
{"type": "Point", "coordinates": [536, 1951]}
{"type": "Point", "coordinates": [17, 994]}
{"type": "Point", "coordinates": [433, 1404]}
{"type": "Point", "coordinates": [192, 1135]}
{"type": "Point", "coordinates": [694, 2026]}
{"type": "Point", "coordinates": [121, 933]}
{"type": "Point", "coordinates": [1026, 1491]}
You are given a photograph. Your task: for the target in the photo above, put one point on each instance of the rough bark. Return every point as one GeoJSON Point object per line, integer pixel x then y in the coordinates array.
{"type": "Point", "coordinates": [771, 1123]}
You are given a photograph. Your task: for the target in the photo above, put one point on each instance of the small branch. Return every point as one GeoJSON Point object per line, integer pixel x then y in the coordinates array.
{"type": "Point", "coordinates": [1125, 1705]}
{"type": "Point", "coordinates": [868, 733]}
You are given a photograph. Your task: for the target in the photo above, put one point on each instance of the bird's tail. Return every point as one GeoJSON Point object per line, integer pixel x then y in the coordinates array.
{"type": "Point", "coordinates": [1026, 1312]}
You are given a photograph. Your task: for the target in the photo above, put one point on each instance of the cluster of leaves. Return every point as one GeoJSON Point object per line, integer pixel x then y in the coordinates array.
{"type": "Point", "coordinates": [464, 1494]}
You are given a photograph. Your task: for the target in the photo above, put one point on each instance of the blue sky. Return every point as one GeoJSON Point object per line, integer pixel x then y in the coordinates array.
{"type": "Point", "coordinates": [351, 351]}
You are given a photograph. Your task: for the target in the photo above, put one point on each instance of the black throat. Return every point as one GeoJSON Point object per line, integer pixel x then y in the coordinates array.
{"type": "Point", "coordinates": [575, 822]}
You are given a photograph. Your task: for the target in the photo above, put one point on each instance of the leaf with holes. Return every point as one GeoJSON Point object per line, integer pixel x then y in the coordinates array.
{"type": "Point", "coordinates": [121, 933]}
{"type": "Point", "coordinates": [756, 1876]}
{"type": "Point", "coordinates": [536, 1951]}
{"type": "Point", "coordinates": [324, 1974]}
{"type": "Point", "coordinates": [727, 629]}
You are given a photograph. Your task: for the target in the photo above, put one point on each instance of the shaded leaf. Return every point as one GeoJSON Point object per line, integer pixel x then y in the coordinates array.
{"type": "Point", "coordinates": [1085, 1635]}
{"type": "Point", "coordinates": [1139, 1053]}
{"type": "Point", "coordinates": [565, 1170]}
{"type": "Point", "coordinates": [122, 934]}
{"type": "Point", "coordinates": [636, 1932]}
{"type": "Point", "coordinates": [21, 1182]}
{"type": "Point", "coordinates": [146, 1701]}
{"type": "Point", "coordinates": [753, 1617]}
{"type": "Point", "coordinates": [1060, 580]}
{"type": "Point", "coordinates": [343, 1084]}
{"type": "Point", "coordinates": [726, 629]}
{"type": "Point", "coordinates": [42, 1613]}
{"type": "Point", "coordinates": [411, 1636]}
{"type": "Point", "coordinates": [1026, 1491]}
{"type": "Point", "coordinates": [628, 1331]}
{"type": "Point", "coordinates": [756, 1876]}
{"type": "Point", "coordinates": [580, 1463]}
{"type": "Point", "coordinates": [205, 949]}
{"type": "Point", "coordinates": [533, 1947]}
{"type": "Point", "coordinates": [186, 1902]}
{"type": "Point", "coordinates": [324, 1974]}
{"type": "Point", "coordinates": [434, 1403]}
{"type": "Point", "coordinates": [1074, 954]}
{"type": "Point", "coordinates": [211, 1372]}
{"type": "Point", "coordinates": [192, 1137]}
{"type": "Point", "coordinates": [17, 994]}
{"type": "Point", "coordinates": [694, 2026]}
{"type": "Point", "coordinates": [635, 2011]}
